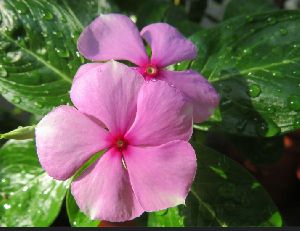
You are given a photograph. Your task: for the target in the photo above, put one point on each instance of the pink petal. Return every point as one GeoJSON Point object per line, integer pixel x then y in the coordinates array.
{"type": "Point", "coordinates": [112, 36]}
{"type": "Point", "coordinates": [104, 191]}
{"type": "Point", "coordinates": [167, 44]}
{"type": "Point", "coordinates": [162, 115]}
{"type": "Point", "coordinates": [201, 93]}
{"type": "Point", "coordinates": [161, 176]}
{"type": "Point", "coordinates": [109, 93]}
{"type": "Point", "coordinates": [66, 139]}
{"type": "Point", "coordinates": [85, 68]}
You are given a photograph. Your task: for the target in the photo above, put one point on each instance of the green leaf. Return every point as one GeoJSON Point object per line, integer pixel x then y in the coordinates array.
{"type": "Point", "coordinates": [38, 57]}
{"type": "Point", "coordinates": [86, 11]}
{"type": "Point", "coordinates": [76, 217]}
{"type": "Point", "coordinates": [21, 133]}
{"type": "Point", "coordinates": [166, 218]}
{"type": "Point", "coordinates": [225, 194]}
{"type": "Point", "coordinates": [254, 65]}
{"type": "Point", "coordinates": [241, 7]}
{"type": "Point", "coordinates": [28, 196]}
{"type": "Point", "coordinates": [153, 11]}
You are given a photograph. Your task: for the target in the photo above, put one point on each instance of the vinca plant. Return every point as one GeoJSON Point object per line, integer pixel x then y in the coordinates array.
{"type": "Point", "coordinates": [141, 115]}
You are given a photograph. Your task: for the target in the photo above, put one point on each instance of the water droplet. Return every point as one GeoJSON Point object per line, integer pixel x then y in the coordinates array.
{"type": "Point", "coordinates": [37, 104]}
{"type": "Point", "coordinates": [261, 128]}
{"type": "Point", "coordinates": [6, 206]}
{"type": "Point", "coordinates": [13, 56]}
{"type": "Point", "coordinates": [62, 52]}
{"type": "Point", "coordinates": [41, 51]}
{"type": "Point", "coordinates": [78, 54]}
{"type": "Point", "coordinates": [16, 100]}
{"type": "Point", "coordinates": [271, 20]}
{"type": "Point", "coordinates": [25, 188]}
{"type": "Point", "coordinates": [294, 72]}
{"type": "Point", "coordinates": [47, 15]}
{"type": "Point", "coordinates": [283, 31]}
{"type": "Point", "coordinates": [228, 27]}
{"type": "Point", "coordinates": [270, 109]}
{"type": "Point", "coordinates": [249, 73]}
{"type": "Point", "coordinates": [57, 34]}
{"type": "Point", "coordinates": [3, 180]}
{"type": "Point", "coordinates": [226, 104]}
{"type": "Point", "coordinates": [254, 90]}
{"type": "Point", "coordinates": [3, 72]}
{"type": "Point", "coordinates": [294, 102]}
{"type": "Point", "coordinates": [74, 223]}
{"type": "Point", "coordinates": [240, 126]}
{"type": "Point", "coordinates": [249, 18]}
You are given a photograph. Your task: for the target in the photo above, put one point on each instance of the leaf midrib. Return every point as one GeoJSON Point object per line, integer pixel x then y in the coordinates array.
{"type": "Point", "coordinates": [39, 59]}
{"type": "Point", "coordinates": [254, 69]}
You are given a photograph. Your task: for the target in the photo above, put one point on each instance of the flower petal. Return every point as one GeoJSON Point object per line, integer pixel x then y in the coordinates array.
{"type": "Point", "coordinates": [161, 176]}
{"type": "Point", "coordinates": [167, 44]}
{"type": "Point", "coordinates": [112, 36]}
{"type": "Point", "coordinates": [104, 191]}
{"type": "Point", "coordinates": [163, 115]}
{"type": "Point", "coordinates": [66, 139]}
{"type": "Point", "coordinates": [109, 93]}
{"type": "Point", "coordinates": [201, 93]}
{"type": "Point", "coordinates": [85, 68]}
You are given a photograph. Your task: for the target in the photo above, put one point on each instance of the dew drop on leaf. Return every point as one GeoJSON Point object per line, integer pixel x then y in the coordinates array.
{"type": "Point", "coordinates": [283, 31]}
{"type": "Point", "coordinates": [294, 102]}
{"type": "Point", "coordinates": [37, 104]}
{"type": "Point", "coordinates": [58, 34]}
{"type": "Point", "coordinates": [3, 72]}
{"type": "Point", "coordinates": [254, 90]}
{"type": "Point", "coordinates": [249, 18]}
{"type": "Point", "coordinates": [47, 15]}
{"type": "Point", "coordinates": [271, 20]}
{"type": "Point", "coordinates": [62, 52]}
{"type": "Point", "coordinates": [6, 206]}
{"type": "Point", "coordinates": [16, 99]}
{"type": "Point", "coordinates": [13, 56]}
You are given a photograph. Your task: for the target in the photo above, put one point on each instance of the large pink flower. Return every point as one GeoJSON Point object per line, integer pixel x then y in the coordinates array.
{"type": "Point", "coordinates": [143, 127]}
{"type": "Point", "coordinates": [115, 36]}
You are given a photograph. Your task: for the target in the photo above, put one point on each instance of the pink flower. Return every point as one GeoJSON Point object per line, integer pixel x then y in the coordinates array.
{"type": "Point", "coordinates": [148, 164]}
{"type": "Point", "coordinates": [115, 36]}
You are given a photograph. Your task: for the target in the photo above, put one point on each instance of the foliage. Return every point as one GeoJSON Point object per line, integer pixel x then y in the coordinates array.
{"type": "Point", "coordinates": [251, 58]}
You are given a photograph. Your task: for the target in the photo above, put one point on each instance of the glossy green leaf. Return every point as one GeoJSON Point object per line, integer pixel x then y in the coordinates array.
{"type": "Point", "coordinates": [153, 11]}
{"type": "Point", "coordinates": [76, 217]}
{"type": "Point", "coordinates": [225, 194]}
{"type": "Point", "coordinates": [253, 62]}
{"type": "Point", "coordinates": [28, 196]}
{"type": "Point", "coordinates": [166, 218]}
{"type": "Point", "coordinates": [38, 55]}
{"type": "Point", "coordinates": [241, 7]}
{"type": "Point", "coordinates": [86, 11]}
{"type": "Point", "coordinates": [21, 133]}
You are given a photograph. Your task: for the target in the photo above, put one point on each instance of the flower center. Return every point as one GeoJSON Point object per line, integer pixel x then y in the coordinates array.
{"type": "Point", "coordinates": [151, 70]}
{"type": "Point", "coordinates": [121, 144]}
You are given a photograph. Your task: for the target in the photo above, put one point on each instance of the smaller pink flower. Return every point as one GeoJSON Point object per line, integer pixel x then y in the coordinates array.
{"type": "Point", "coordinates": [143, 128]}
{"type": "Point", "coordinates": [115, 36]}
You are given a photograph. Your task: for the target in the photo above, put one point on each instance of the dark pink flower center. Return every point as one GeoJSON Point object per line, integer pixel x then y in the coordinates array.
{"type": "Point", "coordinates": [150, 71]}
{"type": "Point", "coordinates": [119, 142]}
